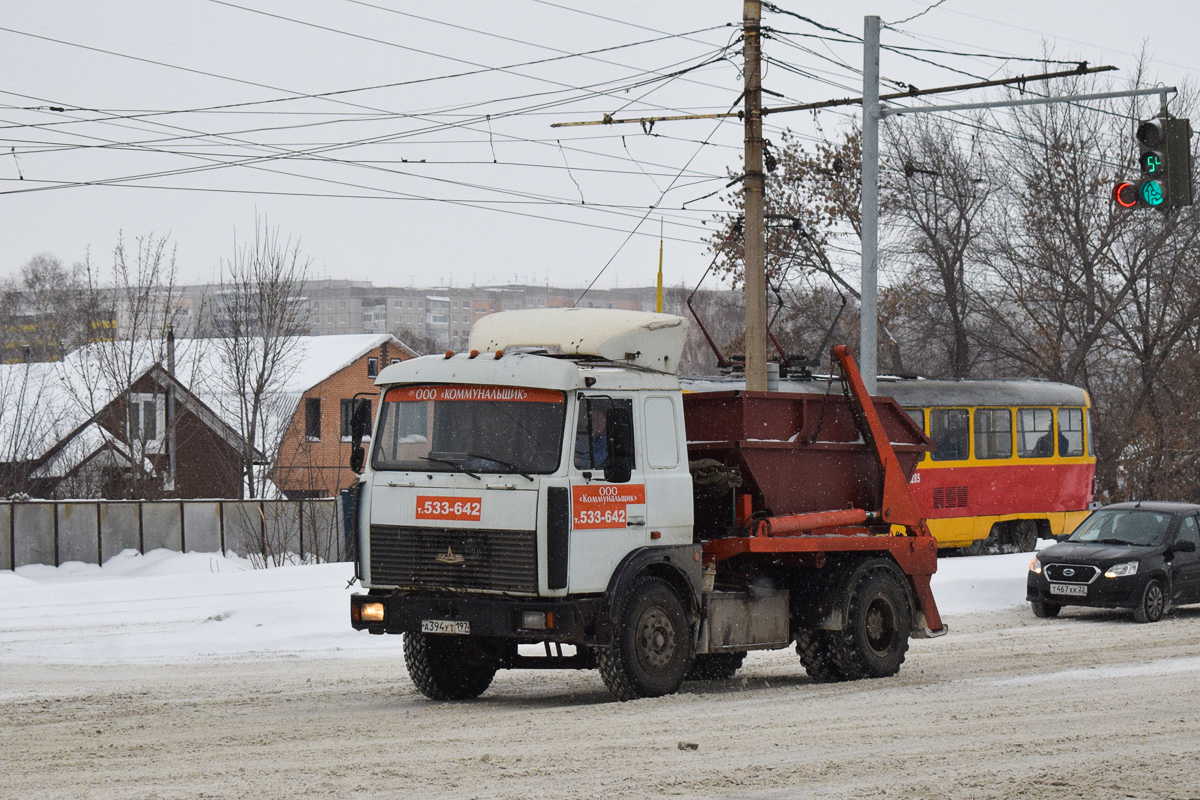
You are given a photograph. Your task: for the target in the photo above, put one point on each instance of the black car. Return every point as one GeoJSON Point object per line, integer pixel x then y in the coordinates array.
{"type": "Point", "coordinates": [1140, 555]}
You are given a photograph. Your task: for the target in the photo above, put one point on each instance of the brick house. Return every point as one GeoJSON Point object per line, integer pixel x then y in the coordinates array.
{"type": "Point", "coordinates": [314, 451]}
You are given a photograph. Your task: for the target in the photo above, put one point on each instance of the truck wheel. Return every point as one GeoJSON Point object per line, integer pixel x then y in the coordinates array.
{"type": "Point", "coordinates": [715, 666]}
{"type": "Point", "coordinates": [1153, 603]}
{"type": "Point", "coordinates": [446, 667]}
{"type": "Point", "coordinates": [878, 622]}
{"type": "Point", "coordinates": [1044, 610]}
{"type": "Point", "coordinates": [815, 649]}
{"type": "Point", "coordinates": [651, 651]}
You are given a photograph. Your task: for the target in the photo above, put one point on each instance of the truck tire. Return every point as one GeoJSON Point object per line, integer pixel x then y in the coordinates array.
{"type": "Point", "coordinates": [878, 622]}
{"type": "Point", "coordinates": [651, 650]}
{"type": "Point", "coordinates": [815, 649]}
{"type": "Point", "coordinates": [715, 666]}
{"type": "Point", "coordinates": [446, 667]}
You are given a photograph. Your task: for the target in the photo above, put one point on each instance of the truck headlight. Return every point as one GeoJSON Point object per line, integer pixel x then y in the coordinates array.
{"type": "Point", "coordinates": [1035, 566]}
{"type": "Point", "coordinates": [1121, 570]}
{"type": "Point", "coordinates": [372, 612]}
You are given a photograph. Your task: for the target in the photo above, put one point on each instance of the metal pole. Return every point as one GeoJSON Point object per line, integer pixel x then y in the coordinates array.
{"type": "Point", "coordinates": [755, 261]}
{"type": "Point", "coordinates": [870, 203]}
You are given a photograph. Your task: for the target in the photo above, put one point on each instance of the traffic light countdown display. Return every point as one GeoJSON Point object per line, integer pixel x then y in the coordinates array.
{"type": "Point", "coordinates": [1165, 160]}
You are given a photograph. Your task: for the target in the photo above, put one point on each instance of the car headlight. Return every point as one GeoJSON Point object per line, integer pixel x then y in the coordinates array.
{"type": "Point", "coordinates": [1035, 566]}
{"type": "Point", "coordinates": [1122, 569]}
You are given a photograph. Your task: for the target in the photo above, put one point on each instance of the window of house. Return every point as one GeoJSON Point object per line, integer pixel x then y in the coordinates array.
{"type": "Point", "coordinates": [372, 366]}
{"type": "Point", "coordinates": [341, 303]}
{"type": "Point", "coordinates": [348, 406]}
{"type": "Point", "coordinates": [394, 361]}
{"type": "Point", "coordinates": [993, 433]}
{"type": "Point", "coordinates": [1034, 439]}
{"type": "Point", "coordinates": [948, 430]}
{"type": "Point", "coordinates": [329, 305]}
{"type": "Point", "coordinates": [312, 419]}
{"type": "Point", "coordinates": [1070, 431]}
{"type": "Point", "coordinates": [146, 417]}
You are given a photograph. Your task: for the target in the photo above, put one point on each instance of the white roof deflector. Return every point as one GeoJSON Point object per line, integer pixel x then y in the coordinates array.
{"type": "Point", "coordinates": [639, 338]}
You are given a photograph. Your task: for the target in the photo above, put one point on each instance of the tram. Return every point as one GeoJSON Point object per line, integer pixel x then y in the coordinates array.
{"type": "Point", "coordinates": [1012, 460]}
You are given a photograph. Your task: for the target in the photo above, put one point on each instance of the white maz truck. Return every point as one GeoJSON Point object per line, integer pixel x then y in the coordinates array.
{"type": "Point", "coordinates": [554, 486]}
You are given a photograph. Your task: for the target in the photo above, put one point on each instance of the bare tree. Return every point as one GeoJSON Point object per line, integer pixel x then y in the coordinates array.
{"type": "Point", "coordinates": [936, 193]}
{"type": "Point", "coordinates": [257, 315]}
{"type": "Point", "coordinates": [128, 322]}
{"type": "Point", "coordinates": [39, 310]}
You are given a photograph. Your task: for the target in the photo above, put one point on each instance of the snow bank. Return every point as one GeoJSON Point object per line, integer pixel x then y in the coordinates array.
{"type": "Point", "coordinates": [168, 607]}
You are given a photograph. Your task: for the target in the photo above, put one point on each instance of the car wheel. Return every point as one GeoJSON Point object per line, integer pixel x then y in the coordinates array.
{"type": "Point", "coordinates": [1153, 602]}
{"type": "Point", "coordinates": [1044, 610]}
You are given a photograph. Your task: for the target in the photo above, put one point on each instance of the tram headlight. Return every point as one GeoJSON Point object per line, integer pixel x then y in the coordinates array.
{"type": "Point", "coordinates": [1035, 566]}
{"type": "Point", "coordinates": [1121, 570]}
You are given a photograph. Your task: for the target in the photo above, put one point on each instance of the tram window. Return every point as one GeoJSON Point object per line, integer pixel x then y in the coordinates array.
{"type": "Point", "coordinates": [993, 433]}
{"type": "Point", "coordinates": [1091, 435]}
{"type": "Point", "coordinates": [1033, 433]}
{"type": "Point", "coordinates": [918, 416]}
{"type": "Point", "coordinates": [948, 429]}
{"type": "Point", "coordinates": [1070, 431]}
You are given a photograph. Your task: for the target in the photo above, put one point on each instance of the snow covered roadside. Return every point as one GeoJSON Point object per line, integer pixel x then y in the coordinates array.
{"type": "Point", "coordinates": [167, 607]}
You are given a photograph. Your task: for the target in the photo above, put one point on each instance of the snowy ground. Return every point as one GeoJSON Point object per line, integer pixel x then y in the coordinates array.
{"type": "Point", "coordinates": [182, 676]}
{"type": "Point", "coordinates": [170, 607]}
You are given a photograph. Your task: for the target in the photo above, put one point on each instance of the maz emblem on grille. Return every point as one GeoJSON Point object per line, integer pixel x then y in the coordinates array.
{"type": "Point", "coordinates": [449, 557]}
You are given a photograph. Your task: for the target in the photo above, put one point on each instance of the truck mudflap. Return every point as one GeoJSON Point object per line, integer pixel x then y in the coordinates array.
{"type": "Point", "coordinates": [566, 621]}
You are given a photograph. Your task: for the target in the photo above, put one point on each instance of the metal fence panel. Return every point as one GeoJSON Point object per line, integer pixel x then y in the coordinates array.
{"type": "Point", "coordinates": [118, 528]}
{"type": "Point", "coordinates": [281, 528]}
{"type": "Point", "coordinates": [6, 553]}
{"type": "Point", "coordinates": [202, 526]}
{"type": "Point", "coordinates": [78, 532]}
{"type": "Point", "coordinates": [243, 526]}
{"type": "Point", "coordinates": [161, 526]}
{"type": "Point", "coordinates": [33, 529]}
{"type": "Point", "coordinates": [321, 530]}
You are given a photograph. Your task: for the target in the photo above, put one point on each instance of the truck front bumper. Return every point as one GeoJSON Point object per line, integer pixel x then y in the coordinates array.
{"type": "Point", "coordinates": [575, 621]}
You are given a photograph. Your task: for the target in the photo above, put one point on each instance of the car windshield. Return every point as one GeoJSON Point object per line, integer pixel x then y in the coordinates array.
{"type": "Point", "coordinates": [470, 429]}
{"type": "Point", "coordinates": [1133, 526]}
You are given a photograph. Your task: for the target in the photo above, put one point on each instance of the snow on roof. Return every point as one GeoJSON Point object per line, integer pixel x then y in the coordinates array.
{"type": "Point", "coordinates": [40, 403]}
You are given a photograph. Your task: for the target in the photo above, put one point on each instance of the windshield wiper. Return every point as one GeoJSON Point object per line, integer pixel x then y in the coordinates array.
{"type": "Point", "coordinates": [1113, 541]}
{"type": "Point", "coordinates": [456, 464]}
{"type": "Point", "coordinates": [501, 462]}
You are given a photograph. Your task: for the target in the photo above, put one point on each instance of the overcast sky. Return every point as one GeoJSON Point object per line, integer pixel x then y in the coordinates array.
{"type": "Point", "coordinates": [189, 118]}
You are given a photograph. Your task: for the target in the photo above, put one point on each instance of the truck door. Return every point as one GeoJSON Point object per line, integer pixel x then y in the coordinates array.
{"type": "Point", "coordinates": [608, 519]}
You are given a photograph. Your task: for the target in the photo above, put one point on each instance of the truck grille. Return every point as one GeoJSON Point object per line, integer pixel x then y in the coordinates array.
{"type": "Point", "coordinates": [454, 558]}
{"type": "Point", "coordinates": [1079, 573]}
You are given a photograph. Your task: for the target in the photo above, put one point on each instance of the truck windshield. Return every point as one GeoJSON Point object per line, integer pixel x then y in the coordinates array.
{"type": "Point", "coordinates": [505, 429]}
{"type": "Point", "coordinates": [1123, 526]}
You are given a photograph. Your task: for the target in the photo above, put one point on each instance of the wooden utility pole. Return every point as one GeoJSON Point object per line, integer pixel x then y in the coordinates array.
{"type": "Point", "coordinates": [755, 261]}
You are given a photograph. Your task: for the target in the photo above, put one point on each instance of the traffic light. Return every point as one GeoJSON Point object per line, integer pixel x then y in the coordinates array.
{"type": "Point", "coordinates": [1154, 161]}
{"type": "Point", "coordinates": [1165, 159]}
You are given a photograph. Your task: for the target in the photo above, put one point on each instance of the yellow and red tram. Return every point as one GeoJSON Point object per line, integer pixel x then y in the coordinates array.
{"type": "Point", "coordinates": [1012, 460]}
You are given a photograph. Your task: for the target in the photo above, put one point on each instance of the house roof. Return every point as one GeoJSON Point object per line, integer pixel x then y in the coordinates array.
{"type": "Point", "coordinates": [42, 403]}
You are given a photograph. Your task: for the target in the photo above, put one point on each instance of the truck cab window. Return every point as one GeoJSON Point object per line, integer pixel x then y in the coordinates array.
{"type": "Point", "coordinates": [591, 436]}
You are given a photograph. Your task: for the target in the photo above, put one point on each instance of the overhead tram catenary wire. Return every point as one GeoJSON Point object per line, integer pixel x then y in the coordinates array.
{"type": "Point", "coordinates": [721, 121]}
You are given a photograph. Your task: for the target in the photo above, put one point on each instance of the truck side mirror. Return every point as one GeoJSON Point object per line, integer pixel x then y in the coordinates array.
{"type": "Point", "coordinates": [358, 455]}
{"type": "Point", "coordinates": [618, 429]}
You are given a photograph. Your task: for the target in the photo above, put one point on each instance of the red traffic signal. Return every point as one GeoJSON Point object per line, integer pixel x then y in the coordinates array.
{"type": "Point", "coordinates": [1125, 194]}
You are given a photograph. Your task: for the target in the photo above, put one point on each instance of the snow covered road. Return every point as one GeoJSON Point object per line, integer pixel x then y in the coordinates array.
{"type": "Point", "coordinates": [171, 676]}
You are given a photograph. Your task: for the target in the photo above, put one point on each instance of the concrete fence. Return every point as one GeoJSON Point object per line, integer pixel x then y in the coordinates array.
{"type": "Point", "coordinates": [93, 531]}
